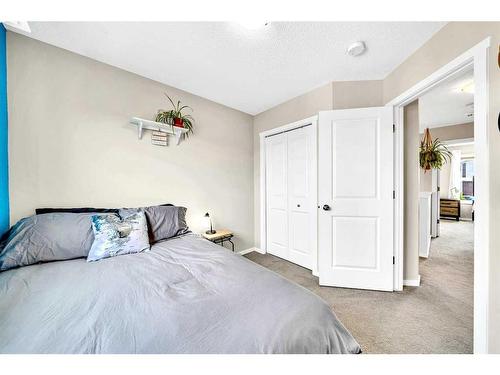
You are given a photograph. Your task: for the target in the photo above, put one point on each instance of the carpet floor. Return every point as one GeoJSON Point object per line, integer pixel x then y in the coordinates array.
{"type": "Point", "coordinates": [436, 317]}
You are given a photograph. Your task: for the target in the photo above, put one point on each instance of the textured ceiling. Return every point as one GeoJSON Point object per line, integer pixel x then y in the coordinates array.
{"type": "Point", "coordinates": [446, 104]}
{"type": "Point", "coordinates": [250, 70]}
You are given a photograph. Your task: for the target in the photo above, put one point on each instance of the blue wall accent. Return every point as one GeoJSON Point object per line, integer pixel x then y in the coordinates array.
{"type": "Point", "coordinates": [4, 149]}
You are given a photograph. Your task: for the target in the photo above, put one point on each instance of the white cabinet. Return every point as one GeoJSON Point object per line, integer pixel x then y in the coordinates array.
{"type": "Point", "coordinates": [290, 204]}
{"type": "Point", "coordinates": [424, 213]}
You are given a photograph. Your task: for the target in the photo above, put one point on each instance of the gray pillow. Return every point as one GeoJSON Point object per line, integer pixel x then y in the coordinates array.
{"type": "Point", "coordinates": [163, 221]}
{"type": "Point", "coordinates": [47, 237]}
{"type": "Point", "coordinates": [115, 236]}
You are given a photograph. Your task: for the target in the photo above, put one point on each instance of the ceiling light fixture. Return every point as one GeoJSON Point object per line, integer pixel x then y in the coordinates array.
{"type": "Point", "coordinates": [356, 49]}
{"type": "Point", "coordinates": [253, 24]}
{"type": "Point", "coordinates": [18, 26]}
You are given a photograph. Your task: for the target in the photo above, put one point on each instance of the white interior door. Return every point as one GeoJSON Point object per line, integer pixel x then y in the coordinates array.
{"type": "Point", "coordinates": [291, 180]}
{"type": "Point", "coordinates": [355, 194]}
{"type": "Point", "coordinates": [276, 195]}
{"type": "Point", "coordinates": [301, 206]}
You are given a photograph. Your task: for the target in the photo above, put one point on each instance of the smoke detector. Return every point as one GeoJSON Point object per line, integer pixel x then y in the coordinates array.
{"type": "Point", "coordinates": [356, 49]}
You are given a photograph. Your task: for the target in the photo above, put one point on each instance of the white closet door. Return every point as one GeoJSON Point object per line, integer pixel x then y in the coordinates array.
{"type": "Point", "coordinates": [355, 192]}
{"type": "Point", "coordinates": [302, 210]}
{"type": "Point", "coordinates": [276, 195]}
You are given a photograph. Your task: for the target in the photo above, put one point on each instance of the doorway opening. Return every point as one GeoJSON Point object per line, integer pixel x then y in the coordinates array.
{"type": "Point", "coordinates": [476, 59]}
{"type": "Point", "coordinates": [446, 203]}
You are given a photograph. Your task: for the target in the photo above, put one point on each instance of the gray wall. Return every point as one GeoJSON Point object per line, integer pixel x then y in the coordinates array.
{"type": "Point", "coordinates": [447, 133]}
{"type": "Point", "coordinates": [357, 94]}
{"type": "Point", "coordinates": [70, 143]}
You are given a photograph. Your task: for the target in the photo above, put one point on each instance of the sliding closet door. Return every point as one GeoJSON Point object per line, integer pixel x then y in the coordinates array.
{"type": "Point", "coordinates": [276, 195]}
{"type": "Point", "coordinates": [302, 210]}
{"type": "Point", "coordinates": [290, 196]}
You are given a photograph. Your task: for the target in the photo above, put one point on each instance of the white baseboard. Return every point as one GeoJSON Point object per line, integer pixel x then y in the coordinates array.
{"type": "Point", "coordinates": [412, 282]}
{"type": "Point", "coordinates": [246, 251]}
{"type": "Point", "coordinates": [260, 251]}
{"type": "Point", "coordinates": [251, 249]}
{"type": "Point", "coordinates": [428, 250]}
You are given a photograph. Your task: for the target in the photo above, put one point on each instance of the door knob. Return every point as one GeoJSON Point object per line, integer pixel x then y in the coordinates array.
{"type": "Point", "coordinates": [326, 207]}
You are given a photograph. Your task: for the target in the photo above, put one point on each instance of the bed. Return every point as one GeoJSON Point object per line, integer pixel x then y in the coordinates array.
{"type": "Point", "coordinates": [185, 295]}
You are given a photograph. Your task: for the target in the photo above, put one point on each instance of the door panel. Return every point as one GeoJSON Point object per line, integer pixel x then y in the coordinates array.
{"type": "Point", "coordinates": [276, 195]}
{"type": "Point", "coordinates": [300, 199]}
{"type": "Point", "coordinates": [299, 240]}
{"type": "Point", "coordinates": [354, 138]}
{"type": "Point", "coordinates": [298, 163]}
{"type": "Point", "coordinates": [359, 234]}
{"type": "Point", "coordinates": [355, 235]}
{"type": "Point", "coordinates": [278, 233]}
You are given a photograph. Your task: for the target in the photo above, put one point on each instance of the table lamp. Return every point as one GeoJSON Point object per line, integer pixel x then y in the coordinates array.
{"type": "Point", "coordinates": [209, 222]}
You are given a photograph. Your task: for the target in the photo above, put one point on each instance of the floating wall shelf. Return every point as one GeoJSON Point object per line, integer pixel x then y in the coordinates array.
{"type": "Point", "coordinates": [157, 126]}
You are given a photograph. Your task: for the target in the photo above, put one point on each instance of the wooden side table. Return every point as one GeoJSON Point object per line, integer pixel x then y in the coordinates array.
{"type": "Point", "coordinates": [220, 236]}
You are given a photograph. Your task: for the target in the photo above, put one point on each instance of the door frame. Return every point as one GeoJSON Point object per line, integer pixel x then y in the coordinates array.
{"type": "Point", "coordinates": [477, 58]}
{"type": "Point", "coordinates": [310, 121]}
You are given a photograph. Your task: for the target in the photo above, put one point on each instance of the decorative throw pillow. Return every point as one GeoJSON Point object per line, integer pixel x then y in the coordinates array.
{"type": "Point", "coordinates": [45, 238]}
{"type": "Point", "coordinates": [115, 236]}
{"type": "Point", "coordinates": [163, 221]}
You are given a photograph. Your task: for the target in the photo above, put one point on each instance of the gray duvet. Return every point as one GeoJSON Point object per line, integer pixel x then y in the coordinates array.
{"type": "Point", "coordinates": [186, 295]}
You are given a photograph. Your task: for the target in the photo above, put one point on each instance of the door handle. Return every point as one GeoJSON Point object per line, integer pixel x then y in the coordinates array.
{"type": "Point", "coordinates": [326, 207]}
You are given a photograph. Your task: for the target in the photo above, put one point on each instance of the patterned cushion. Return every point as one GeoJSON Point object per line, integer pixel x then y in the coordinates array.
{"type": "Point", "coordinates": [115, 236]}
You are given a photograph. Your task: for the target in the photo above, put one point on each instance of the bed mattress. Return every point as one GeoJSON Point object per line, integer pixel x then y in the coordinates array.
{"type": "Point", "coordinates": [185, 295]}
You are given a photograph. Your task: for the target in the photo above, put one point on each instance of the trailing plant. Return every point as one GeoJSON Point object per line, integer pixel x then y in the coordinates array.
{"type": "Point", "coordinates": [433, 153]}
{"type": "Point", "coordinates": [176, 116]}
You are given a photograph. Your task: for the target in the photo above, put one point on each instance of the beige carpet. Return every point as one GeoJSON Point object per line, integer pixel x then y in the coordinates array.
{"type": "Point", "coordinates": [433, 318]}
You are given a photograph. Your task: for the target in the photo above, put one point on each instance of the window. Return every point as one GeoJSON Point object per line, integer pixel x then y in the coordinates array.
{"type": "Point", "coordinates": [467, 168]}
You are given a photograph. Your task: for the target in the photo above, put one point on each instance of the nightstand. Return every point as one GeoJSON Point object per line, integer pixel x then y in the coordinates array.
{"type": "Point", "coordinates": [220, 236]}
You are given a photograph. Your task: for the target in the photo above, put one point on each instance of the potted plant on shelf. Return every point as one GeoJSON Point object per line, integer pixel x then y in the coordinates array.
{"type": "Point", "coordinates": [433, 153]}
{"type": "Point", "coordinates": [175, 116]}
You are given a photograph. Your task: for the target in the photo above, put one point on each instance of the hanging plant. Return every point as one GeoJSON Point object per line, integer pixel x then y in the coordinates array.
{"type": "Point", "coordinates": [175, 116]}
{"type": "Point", "coordinates": [433, 153]}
